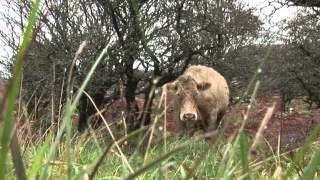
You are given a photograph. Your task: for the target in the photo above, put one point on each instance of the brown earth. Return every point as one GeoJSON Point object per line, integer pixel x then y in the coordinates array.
{"type": "Point", "coordinates": [292, 128]}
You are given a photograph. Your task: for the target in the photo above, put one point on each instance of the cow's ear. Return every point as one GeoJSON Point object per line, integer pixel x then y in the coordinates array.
{"type": "Point", "coordinates": [203, 86]}
{"type": "Point", "coordinates": [172, 87]}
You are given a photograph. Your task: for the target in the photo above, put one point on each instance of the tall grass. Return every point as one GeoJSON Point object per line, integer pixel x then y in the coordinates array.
{"type": "Point", "coordinates": [7, 106]}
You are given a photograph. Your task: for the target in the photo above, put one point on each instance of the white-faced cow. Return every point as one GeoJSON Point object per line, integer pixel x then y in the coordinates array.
{"type": "Point", "coordinates": [201, 98]}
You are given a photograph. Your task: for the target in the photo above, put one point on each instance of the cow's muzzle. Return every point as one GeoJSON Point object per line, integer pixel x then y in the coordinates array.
{"type": "Point", "coordinates": [189, 117]}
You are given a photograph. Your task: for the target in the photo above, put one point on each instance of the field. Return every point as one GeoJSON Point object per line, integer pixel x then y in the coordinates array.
{"type": "Point", "coordinates": [220, 162]}
{"type": "Point", "coordinates": [234, 154]}
{"type": "Point", "coordinates": [256, 141]}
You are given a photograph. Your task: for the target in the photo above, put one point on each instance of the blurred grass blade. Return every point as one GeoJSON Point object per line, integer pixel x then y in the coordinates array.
{"type": "Point", "coordinates": [92, 170]}
{"type": "Point", "coordinates": [70, 108]}
{"type": "Point", "coordinates": [155, 162]}
{"type": "Point", "coordinates": [225, 169]}
{"type": "Point", "coordinates": [244, 149]}
{"type": "Point", "coordinates": [17, 157]}
{"type": "Point", "coordinates": [68, 146]}
{"type": "Point", "coordinates": [259, 133]}
{"type": "Point", "coordinates": [108, 149]}
{"type": "Point", "coordinates": [13, 86]}
{"type": "Point", "coordinates": [38, 158]}
{"type": "Point", "coordinates": [312, 167]}
{"type": "Point", "coordinates": [300, 154]}
{"type": "Point", "coordinates": [100, 160]}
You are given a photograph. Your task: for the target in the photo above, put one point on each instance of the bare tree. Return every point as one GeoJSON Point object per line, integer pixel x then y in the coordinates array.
{"type": "Point", "coordinates": [311, 3]}
{"type": "Point", "coordinates": [148, 40]}
{"type": "Point", "coordinates": [304, 36]}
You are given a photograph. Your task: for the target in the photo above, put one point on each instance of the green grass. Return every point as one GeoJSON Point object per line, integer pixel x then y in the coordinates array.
{"type": "Point", "coordinates": [7, 106]}
{"type": "Point", "coordinates": [114, 167]}
{"type": "Point", "coordinates": [174, 166]}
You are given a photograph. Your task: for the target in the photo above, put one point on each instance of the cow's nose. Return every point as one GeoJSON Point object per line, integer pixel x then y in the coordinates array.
{"type": "Point", "coordinates": [189, 116]}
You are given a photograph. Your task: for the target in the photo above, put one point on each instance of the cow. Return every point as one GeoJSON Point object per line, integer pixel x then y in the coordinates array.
{"type": "Point", "coordinates": [201, 97]}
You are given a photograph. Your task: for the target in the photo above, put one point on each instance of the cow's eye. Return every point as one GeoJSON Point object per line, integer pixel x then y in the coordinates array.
{"type": "Point", "coordinates": [203, 86]}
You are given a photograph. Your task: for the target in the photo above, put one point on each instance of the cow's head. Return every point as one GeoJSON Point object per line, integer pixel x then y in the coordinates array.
{"type": "Point", "coordinates": [187, 92]}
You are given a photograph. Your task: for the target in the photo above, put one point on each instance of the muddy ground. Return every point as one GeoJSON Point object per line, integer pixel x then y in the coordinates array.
{"type": "Point", "coordinates": [291, 127]}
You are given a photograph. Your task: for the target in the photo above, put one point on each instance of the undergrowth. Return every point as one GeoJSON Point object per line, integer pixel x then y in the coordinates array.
{"type": "Point", "coordinates": [264, 166]}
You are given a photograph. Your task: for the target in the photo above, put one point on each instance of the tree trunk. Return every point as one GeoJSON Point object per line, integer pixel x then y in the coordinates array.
{"type": "Point", "coordinates": [145, 118]}
{"type": "Point", "coordinates": [82, 113]}
{"type": "Point", "coordinates": [132, 107]}
{"type": "Point", "coordinates": [86, 108]}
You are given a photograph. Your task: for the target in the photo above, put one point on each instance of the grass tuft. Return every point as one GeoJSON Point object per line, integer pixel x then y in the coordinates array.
{"type": "Point", "coordinates": [12, 90]}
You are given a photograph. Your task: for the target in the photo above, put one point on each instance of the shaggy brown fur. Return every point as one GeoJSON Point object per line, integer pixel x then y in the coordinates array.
{"type": "Point", "coordinates": [201, 97]}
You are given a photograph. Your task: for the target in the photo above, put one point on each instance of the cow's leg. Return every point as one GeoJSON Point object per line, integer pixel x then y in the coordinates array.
{"type": "Point", "coordinates": [212, 125]}
{"type": "Point", "coordinates": [212, 122]}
